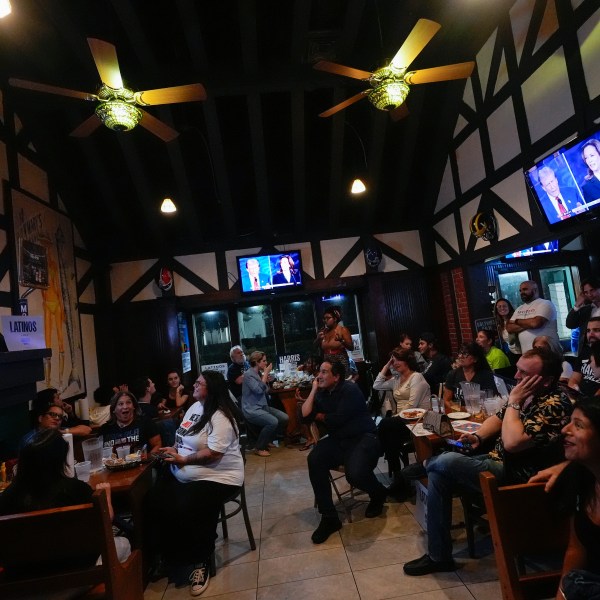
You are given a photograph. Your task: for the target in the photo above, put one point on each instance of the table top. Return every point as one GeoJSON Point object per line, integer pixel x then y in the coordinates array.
{"type": "Point", "coordinates": [120, 481]}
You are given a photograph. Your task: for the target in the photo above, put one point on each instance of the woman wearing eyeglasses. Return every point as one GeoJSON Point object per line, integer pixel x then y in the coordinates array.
{"type": "Point", "coordinates": [472, 366]}
{"type": "Point", "coordinates": [70, 423]}
{"type": "Point", "coordinates": [206, 467]}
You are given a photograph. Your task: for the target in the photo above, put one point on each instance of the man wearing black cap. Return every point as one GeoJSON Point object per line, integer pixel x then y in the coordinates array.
{"type": "Point", "coordinates": [438, 364]}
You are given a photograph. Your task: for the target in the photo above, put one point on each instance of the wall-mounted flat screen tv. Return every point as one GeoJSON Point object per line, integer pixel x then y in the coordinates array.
{"type": "Point", "coordinates": [545, 248]}
{"type": "Point", "coordinates": [270, 272]}
{"type": "Point", "coordinates": [566, 184]}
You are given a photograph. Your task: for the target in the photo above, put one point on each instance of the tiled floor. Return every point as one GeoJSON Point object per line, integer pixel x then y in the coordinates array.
{"type": "Point", "coordinates": [363, 561]}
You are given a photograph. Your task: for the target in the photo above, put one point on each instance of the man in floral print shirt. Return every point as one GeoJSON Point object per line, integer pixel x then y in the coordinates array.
{"type": "Point", "coordinates": [527, 432]}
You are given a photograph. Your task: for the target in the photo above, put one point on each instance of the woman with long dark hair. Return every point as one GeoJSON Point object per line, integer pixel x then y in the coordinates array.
{"type": "Point", "coordinates": [503, 311]}
{"type": "Point", "coordinates": [472, 367]}
{"type": "Point", "coordinates": [205, 468]}
{"type": "Point", "coordinates": [128, 427]}
{"type": "Point", "coordinates": [41, 482]}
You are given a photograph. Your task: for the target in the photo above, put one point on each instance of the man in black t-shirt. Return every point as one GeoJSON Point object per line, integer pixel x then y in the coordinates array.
{"type": "Point", "coordinates": [437, 364]}
{"type": "Point", "coordinates": [583, 378]}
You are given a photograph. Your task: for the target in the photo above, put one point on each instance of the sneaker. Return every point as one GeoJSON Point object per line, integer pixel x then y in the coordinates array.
{"type": "Point", "coordinates": [327, 526]}
{"type": "Point", "coordinates": [199, 579]}
{"type": "Point", "coordinates": [263, 453]}
{"type": "Point", "coordinates": [426, 565]}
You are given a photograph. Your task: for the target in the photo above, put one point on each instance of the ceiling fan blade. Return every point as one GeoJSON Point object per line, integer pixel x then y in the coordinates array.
{"type": "Point", "coordinates": [343, 104]}
{"type": "Point", "coordinates": [446, 73]}
{"type": "Point", "coordinates": [417, 39]}
{"type": "Point", "coordinates": [172, 95]}
{"type": "Point", "coordinates": [158, 128]}
{"type": "Point", "coordinates": [50, 89]}
{"type": "Point", "coordinates": [88, 126]}
{"type": "Point", "coordinates": [329, 67]}
{"type": "Point", "coordinates": [400, 112]}
{"type": "Point", "coordinates": [105, 57]}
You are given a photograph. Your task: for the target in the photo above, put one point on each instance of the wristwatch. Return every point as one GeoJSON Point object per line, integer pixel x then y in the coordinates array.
{"type": "Point", "coordinates": [514, 405]}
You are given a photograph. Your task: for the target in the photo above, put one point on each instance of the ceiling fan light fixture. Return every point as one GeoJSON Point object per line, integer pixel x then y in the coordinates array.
{"type": "Point", "coordinates": [358, 187]}
{"type": "Point", "coordinates": [5, 8]}
{"type": "Point", "coordinates": [118, 115]}
{"type": "Point", "coordinates": [168, 206]}
{"type": "Point", "coordinates": [389, 95]}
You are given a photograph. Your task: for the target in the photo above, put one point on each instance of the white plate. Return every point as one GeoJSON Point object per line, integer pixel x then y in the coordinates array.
{"type": "Point", "coordinates": [411, 414]}
{"type": "Point", "coordinates": [459, 415]}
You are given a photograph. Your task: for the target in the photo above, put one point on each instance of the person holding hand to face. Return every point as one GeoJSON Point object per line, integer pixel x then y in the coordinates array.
{"type": "Point", "coordinates": [527, 439]}
{"type": "Point", "coordinates": [255, 404]}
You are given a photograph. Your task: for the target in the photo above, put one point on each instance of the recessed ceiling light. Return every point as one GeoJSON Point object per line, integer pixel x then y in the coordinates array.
{"type": "Point", "coordinates": [168, 206]}
{"type": "Point", "coordinates": [5, 8]}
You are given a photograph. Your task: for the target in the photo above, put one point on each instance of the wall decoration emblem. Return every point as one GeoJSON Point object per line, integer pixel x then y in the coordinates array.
{"type": "Point", "coordinates": [484, 225]}
{"type": "Point", "coordinates": [45, 261]}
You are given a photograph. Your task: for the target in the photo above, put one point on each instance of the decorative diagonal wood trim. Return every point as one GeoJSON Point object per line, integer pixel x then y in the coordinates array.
{"type": "Point", "coordinates": [347, 259]}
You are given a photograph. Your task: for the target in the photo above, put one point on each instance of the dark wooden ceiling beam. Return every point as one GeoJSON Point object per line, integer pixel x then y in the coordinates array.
{"type": "Point", "coordinates": [348, 39]}
{"type": "Point", "coordinates": [148, 213]}
{"type": "Point", "coordinates": [188, 214]}
{"type": "Point", "coordinates": [247, 20]}
{"type": "Point", "coordinates": [301, 20]}
{"type": "Point", "coordinates": [193, 37]}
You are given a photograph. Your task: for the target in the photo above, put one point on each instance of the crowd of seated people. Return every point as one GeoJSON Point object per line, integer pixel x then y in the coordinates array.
{"type": "Point", "coordinates": [528, 439]}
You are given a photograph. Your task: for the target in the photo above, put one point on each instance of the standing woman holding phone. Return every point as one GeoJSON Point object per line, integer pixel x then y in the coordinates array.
{"type": "Point", "coordinates": [334, 339]}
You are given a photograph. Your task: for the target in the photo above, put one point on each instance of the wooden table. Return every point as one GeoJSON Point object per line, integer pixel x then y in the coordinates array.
{"type": "Point", "coordinates": [131, 484]}
{"type": "Point", "coordinates": [287, 397]}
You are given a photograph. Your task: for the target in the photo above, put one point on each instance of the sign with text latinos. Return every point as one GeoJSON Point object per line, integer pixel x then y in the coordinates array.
{"type": "Point", "coordinates": [23, 333]}
{"type": "Point", "coordinates": [220, 367]}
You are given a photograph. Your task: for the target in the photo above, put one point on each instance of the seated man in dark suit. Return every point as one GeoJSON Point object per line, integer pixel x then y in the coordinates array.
{"type": "Point", "coordinates": [352, 441]}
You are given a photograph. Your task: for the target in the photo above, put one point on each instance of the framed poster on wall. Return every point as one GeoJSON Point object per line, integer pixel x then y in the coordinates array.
{"type": "Point", "coordinates": [45, 265]}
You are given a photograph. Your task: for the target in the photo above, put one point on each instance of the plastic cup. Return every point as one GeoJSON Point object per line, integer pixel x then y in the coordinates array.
{"type": "Point", "coordinates": [107, 452]}
{"type": "Point", "coordinates": [92, 451]}
{"type": "Point", "coordinates": [82, 470]}
{"type": "Point", "coordinates": [122, 451]}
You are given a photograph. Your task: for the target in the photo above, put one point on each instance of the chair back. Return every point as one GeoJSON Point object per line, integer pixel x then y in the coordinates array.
{"type": "Point", "coordinates": [524, 521]}
{"type": "Point", "coordinates": [57, 549]}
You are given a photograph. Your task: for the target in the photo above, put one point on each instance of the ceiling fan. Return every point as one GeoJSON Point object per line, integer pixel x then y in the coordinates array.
{"type": "Point", "coordinates": [117, 106]}
{"type": "Point", "coordinates": [390, 84]}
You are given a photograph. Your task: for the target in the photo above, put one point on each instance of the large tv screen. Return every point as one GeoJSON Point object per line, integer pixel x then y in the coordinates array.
{"type": "Point", "coordinates": [566, 184]}
{"type": "Point", "coordinates": [270, 272]}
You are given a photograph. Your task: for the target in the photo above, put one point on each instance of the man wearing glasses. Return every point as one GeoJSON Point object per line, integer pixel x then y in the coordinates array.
{"type": "Point", "coordinates": [52, 418]}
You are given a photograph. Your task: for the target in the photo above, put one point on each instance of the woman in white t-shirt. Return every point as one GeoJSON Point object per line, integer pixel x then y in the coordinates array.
{"type": "Point", "coordinates": [206, 467]}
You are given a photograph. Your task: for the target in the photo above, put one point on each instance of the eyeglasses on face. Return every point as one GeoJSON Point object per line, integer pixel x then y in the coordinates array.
{"type": "Point", "coordinates": [53, 415]}
{"type": "Point", "coordinates": [200, 383]}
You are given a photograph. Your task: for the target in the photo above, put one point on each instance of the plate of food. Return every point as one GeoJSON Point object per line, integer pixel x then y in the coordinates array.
{"type": "Point", "coordinates": [411, 414]}
{"type": "Point", "coordinates": [459, 415]}
{"type": "Point", "coordinates": [121, 464]}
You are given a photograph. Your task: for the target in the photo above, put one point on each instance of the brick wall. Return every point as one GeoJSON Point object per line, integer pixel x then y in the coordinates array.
{"type": "Point", "coordinates": [456, 308]}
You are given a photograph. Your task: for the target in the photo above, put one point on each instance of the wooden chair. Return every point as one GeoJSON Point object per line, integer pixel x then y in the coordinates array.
{"type": "Point", "coordinates": [56, 549]}
{"type": "Point", "coordinates": [238, 499]}
{"type": "Point", "coordinates": [347, 498]}
{"type": "Point", "coordinates": [523, 522]}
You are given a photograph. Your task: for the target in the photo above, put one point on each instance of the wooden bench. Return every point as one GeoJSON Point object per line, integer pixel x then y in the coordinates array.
{"type": "Point", "coordinates": [52, 550]}
{"type": "Point", "coordinates": [524, 522]}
